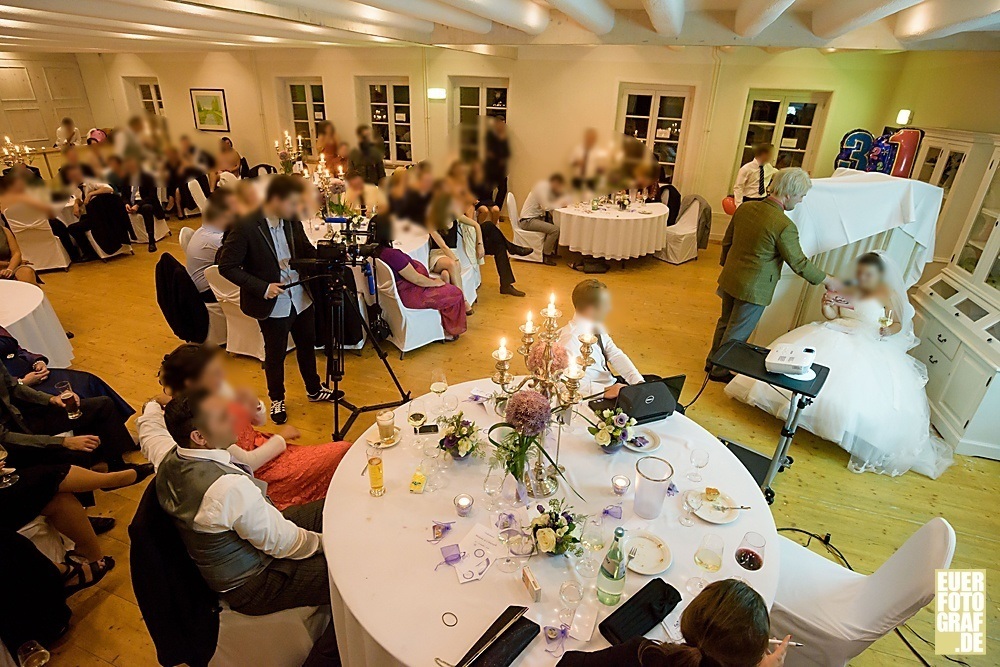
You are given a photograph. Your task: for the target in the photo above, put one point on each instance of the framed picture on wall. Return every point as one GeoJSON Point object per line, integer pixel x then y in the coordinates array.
{"type": "Point", "coordinates": [209, 106]}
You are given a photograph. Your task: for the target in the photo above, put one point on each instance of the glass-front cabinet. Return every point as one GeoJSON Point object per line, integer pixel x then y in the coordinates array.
{"type": "Point", "coordinates": [978, 255]}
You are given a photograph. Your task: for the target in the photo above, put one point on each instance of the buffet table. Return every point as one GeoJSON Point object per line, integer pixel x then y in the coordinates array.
{"type": "Point", "coordinates": [388, 599]}
{"type": "Point", "coordinates": [27, 314]}
{"type": "Point", "coordinates": [611, 233]}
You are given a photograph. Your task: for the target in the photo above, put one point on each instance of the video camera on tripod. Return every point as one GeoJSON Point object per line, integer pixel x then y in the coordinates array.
{"type": "Point", "coordinates": [352, 245]}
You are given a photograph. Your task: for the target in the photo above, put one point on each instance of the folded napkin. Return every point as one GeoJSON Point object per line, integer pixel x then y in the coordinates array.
{"type": "Point", "coordinates": [641, 613]}
{"type": "Point", "coordinates": [501, 650]}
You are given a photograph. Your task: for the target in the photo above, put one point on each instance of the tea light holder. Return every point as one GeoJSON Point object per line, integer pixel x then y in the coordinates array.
{"type": "Point", "coordinates": [502, 358]}
{"type": "Point", "coordinates": [620, 484]}
{"type": "Point", "coordinates": [463, 504]}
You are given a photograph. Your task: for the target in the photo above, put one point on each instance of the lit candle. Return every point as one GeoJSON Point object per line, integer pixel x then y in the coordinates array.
{"type": "Point", "coordinates": [340, 171]}
{"type": "Point", "coordinates": [300, 140]}
{"type": "Point", "coordinates": [503, 347]}
{"type": "Point", "coordinates": [529, 326]}
{"type": "Point", "coordinates": [573, 370]}
{"type": "Point", "coordinates": [275, 143]}
{"type": "Point", "coordinates": [552, 301]}
{"type": "Point", "coordinates": [463, 504]}
{"type": "Point", "coordinates": [620, 484]}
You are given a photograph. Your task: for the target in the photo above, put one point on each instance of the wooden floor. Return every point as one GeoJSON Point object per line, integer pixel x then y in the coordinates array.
{"type": "Point", "coordinates": [664, 319]}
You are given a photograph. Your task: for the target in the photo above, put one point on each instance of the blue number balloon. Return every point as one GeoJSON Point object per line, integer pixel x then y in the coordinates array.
{"type": "Point", "coordinates": [854, 148]}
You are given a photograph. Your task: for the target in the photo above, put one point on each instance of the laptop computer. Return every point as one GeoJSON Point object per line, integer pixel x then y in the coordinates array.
{"type": "Point", "coordinates": [645, 402]}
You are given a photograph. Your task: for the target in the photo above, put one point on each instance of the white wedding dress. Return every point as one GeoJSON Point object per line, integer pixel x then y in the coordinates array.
{"type": "Point", "coordinates": [873, 403]}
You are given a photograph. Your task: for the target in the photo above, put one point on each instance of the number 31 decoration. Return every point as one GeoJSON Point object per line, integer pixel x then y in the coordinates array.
{"type": "Point", "coordinates": [892, 153]}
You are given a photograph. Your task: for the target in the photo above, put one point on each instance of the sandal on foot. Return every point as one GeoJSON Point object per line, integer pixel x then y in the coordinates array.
{"type": "Point", "coordinates": [76, 570]}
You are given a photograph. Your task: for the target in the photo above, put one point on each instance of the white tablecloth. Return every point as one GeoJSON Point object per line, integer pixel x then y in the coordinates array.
{"type": "Point", "coordinates": [27, 314]}
{"type": "Point", "coordinates": [388, 600]}
{"type": "Point", "coordinates": [611, 233]}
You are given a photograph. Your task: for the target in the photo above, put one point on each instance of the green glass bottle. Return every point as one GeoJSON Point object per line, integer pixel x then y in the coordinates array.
{"type": "Point", "coordinates": [611, 578]}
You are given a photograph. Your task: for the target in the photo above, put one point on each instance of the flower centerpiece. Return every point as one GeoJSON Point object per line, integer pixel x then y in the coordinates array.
{"type": "Point", "coordinates": [526, 414]}
{"type": "Point", "coordinates": [613, 429]}
{"type": "Point", "coordinates": [331, 189]}
{"type": "Point", "coordinates": [556, 530]}
{"type": "Point", "coordinates": [289, 154]}
{"type": "Point", "coordinates": [542, 362]}
{"type": "Point", "coordinates": [461, 437]}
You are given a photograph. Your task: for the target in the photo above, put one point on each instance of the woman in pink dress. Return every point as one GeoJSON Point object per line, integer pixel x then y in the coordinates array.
{"type": "Point", "coordinates": [416, 287]}
{"type": "Point", "coordinates": [295, 474]}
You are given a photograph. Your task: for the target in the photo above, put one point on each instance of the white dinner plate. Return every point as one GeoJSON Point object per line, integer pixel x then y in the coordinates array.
{"type": "Point", "coordinates": [709, 513]}
{"type": "Point", "coordinates": [654, 442]}
{"type": "Point", "coordinates": [652, 554]}
{"type": "Point", "coordinates": [396, 437]}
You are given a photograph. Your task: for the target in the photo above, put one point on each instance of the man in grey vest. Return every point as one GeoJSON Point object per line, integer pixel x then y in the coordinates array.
{"type": "Point", "coordinates": [258, 559]}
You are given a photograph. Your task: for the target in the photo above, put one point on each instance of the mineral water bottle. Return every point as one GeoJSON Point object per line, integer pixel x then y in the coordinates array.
{"type": "Point", "coordinates": [611, 578]}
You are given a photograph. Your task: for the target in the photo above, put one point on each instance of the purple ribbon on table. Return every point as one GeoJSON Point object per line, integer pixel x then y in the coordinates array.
{"type": "Point", "coordinates": [613, 511]}
{"type": "Point", "coordinates": [672, 490]}
{"type": "Point", "coordinates": [452, 554]}
{"type": "Point", "coordinates": [439, 530]}
{"type": "Point", "coordinates": [505, 520]}
{"type": "Point", "coordinates": [556, 639]}
{"type": "Point", "coordinates": [476, 397]}
{"type": "Point", "coordinates": [640, 441]}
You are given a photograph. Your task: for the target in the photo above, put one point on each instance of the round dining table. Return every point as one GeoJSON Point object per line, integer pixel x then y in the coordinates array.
{"type": "Point", "coordinates": [26, 313]}
{"type": "Point", "coordinates": [611, 233]}
{"type": "Point", "coordinates": [393, 602]}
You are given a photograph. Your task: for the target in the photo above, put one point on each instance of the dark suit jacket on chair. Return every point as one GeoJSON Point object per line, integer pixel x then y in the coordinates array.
{"type": "Point", "coordinates": [249, 260]}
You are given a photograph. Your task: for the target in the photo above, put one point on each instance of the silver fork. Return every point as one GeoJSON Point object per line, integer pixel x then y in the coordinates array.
{"type": "Point", "coordinates": [631, 554]}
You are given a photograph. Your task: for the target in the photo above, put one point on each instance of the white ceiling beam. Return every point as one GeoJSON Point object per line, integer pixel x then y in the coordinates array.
{"type": "Point", "coordinates": [934, 19]}
{"type": "Point", "coordinates": [753, 16]}
{"type": "Point", "coordinates": [523, 15]}
{"type": "Point", "coordinates": [428, 10]}
{"type": "Point", "coordinates": [841, 17]}
{"type": "Point", "coordinates": [667, 16]}
{"type": "Point", "coordinates": [355, 11]}
{"type": "Point", "coordinates": [594, 15]}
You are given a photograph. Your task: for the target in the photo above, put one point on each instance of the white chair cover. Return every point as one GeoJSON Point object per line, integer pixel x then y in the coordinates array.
{"type": "Point", "coordinates": [39, 246]}
{"type": "Point", "coordinates": [838, 613]}
{"type": "Point", "coordinates": [194, 187]}
{"type": "Point", "coordinates": [160, 228]}
{"type": "Point", "coordinates": [126, 248]}
{"type": "Point", "coordinates": [242, 331]}
{"type": "Point", "coordinates": [472, 275]}
{"type": "Point", "coordinates": [529, 239]}
{"type": "Point", "coordinates": [218, 329]}
{"type": "Point", "coordinates": [227, 179]}
{"type": "Point", "coordinates": [281, 639]}
{"type": "Point", "coordinates": [49, 541]}
{"type": "Point", "coordinates": [410, 328]}
{"type": "Point", "coordinates": [184, 237]}
{"type": "Point", "coordinates": [682, 238]}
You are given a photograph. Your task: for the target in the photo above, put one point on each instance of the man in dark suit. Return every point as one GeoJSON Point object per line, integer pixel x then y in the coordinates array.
{"type": "Point", "coordinates": [256, 256]}
{"type": "Point", "coordinates": [368, 158]}
{"type": "Point", "coordinates": [138, 190]}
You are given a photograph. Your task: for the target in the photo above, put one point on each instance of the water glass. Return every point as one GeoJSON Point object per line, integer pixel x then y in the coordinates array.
{"type": "Point", "coordinates": [750, 553]}
{"type": "Point", "coordinates": [692, 503]}
{"type": "Point", "coordinates": [651, 483]}
{"type": "Point", "coordinates": [592, 539]}
{"type": "Point", "coordinates": [32, 654]}
{"type": "Point", "coordinates": [493, 486]}
{"type": "Point", "coordinates": [571, 594]}
{"type": "Point", "coordinates": [699, 459]}
{"type": "Point", "coordinates": [69, 399]}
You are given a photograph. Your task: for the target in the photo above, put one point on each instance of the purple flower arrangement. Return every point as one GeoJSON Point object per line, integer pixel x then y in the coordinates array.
{"type": "Point", "coordinates": [556, 530]}
{"type": "Point", "coordinates": [528, 412]}
{"type": "Point", "coordinates": [461, 437]}
{"type": "Point", "coordinates": [536, 358]}
{"type": "Point", "coordinates": [613, 429]}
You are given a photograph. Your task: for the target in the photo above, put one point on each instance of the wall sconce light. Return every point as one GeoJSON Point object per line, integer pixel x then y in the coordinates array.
{"type": "Point", "coordinates": [903, 117]}
{"type": "Point", "coordinates": [436, 93]}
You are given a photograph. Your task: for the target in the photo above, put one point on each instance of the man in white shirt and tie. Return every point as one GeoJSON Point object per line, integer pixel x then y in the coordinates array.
{"type": "Point", "coordinates": [536, 213]}
{"type": "Point", "coordinates": [754, 177]}
{"type": "Point", "coordinates": [592, 302]}
{"type": "Point", "coordinates": [588, 162]}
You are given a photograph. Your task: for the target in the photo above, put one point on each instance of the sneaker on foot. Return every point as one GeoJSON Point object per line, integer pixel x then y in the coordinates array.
{"type": "Point", "coordinates": [324, 395]}
{"type": "Point", "coordinates": [511, 290]}
{"type": "Point", "coordinates": [278, 414]}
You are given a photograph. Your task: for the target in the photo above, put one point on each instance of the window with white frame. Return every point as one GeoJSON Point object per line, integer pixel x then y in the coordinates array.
{"type": "Point", "coordinates": [390, 118]}
{"type": "Point", "coordinates": [656, 116]}
{"type": "Point", "coordinates": [146, 96]}
{"type": "Point", "coordinates": [791, 121]}
{"type": "Point", "coordinates": [477, 100]}
{"type": "Point", "coordinates": [308, 107]}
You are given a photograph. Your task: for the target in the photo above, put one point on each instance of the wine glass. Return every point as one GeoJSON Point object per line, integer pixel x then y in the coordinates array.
{"type": "Point", "coordinates": [571, 594]}
{"type": "Point", "coordinates": [699, 459]}
{"type": "Point", "coordinates": [692, 503]}
{"type": "Point", "coordinates": [507, 530]}
{"type": "Point", "coordinates": [416, 416]}
{"type": "Point", "coordinates": [493, 486]}
{"type": "Point", "coordinates": [709, 558]}
{"type": "Point", "coordinates": [7, 475]}
{"type": "Point", "coordinates": [449, 404]}
{"type": "Point", "coordinates": [750, 554]}
{"type": "Point", "coordinates": [592, 539]}
{"type": "Point", "coordinates": [439, 385]}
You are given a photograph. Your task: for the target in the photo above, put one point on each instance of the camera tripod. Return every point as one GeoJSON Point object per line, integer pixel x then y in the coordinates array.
{"type": "Point", "coordinates": [342, 296]}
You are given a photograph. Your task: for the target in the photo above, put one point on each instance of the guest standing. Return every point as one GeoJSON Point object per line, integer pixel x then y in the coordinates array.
{"type": "Point", "coordinates": [368, 159]}
{"type": "Point", "coordinates": [257, 257]}
{"type": "Point", "coordinates": [588, 162]}
{"type": "Point", "coordinates": [497, 163]}
{"type": "Point", "coordinates": [753, 178]}
{"type": "Point", "coordinates": [328, 144]}
{"type": "Point", "coordinates": [759, 239]}
{"type": "Point", "coordinates": [363, 198]}
{"type": "Point", "coordinates": [536, 213]}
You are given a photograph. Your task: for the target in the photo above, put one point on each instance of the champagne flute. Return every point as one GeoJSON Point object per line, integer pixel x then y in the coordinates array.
{"type": "Point", "coordinates": [709, 558]}
{"type": "Point", "coordinates": [692, 503]}
{"type": "Point", "coordinates": [507, 530]}
{"type": "Point", "coordinates": [699, 459]}
{"type": "Point", "coordinates": [592, 539]}
{"type": "Point", "coordinates": [7, 475]}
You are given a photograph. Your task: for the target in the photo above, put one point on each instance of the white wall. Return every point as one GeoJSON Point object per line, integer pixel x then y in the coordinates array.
{"type": "Point", "coordinates": [36, 91]}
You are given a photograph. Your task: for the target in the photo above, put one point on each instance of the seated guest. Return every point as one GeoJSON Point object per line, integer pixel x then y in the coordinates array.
{"type": "Point", "coordinates": [363, 198]}
{"type": "Point", "coordinates": [32, 370]}
{"type": "Point", "coordinates": [419, 195]}
{"type": "Point", "coordinates": [98, 210]}
{"type": "Point", "coordinates": [368, 158]}
{"type": "Point", "coordinates": [592, 303]}
{"type": "Point", "coordinates": [536, 213]}
{"type": "Point", "coordinates": [30, 421]}
{"type": "Point", "coordinates": [295, 474]}
{"type": "Point", "coordinates": [179, 169]}
{"type": "Point", "coordinates": [71, 158]}
{"type": "Point", "coordinates": [206, 241]}
{"type": "Point", "coordinates": [248, 197]}
{"type": "Point", "coordinates": [68, 134]}
{"type": "Point", "coordinates": [726, 625]}
{"type": "Point", "coordinates": [397, 190]}
{"type": "Point", "coordinates": [195, 156]}
{"type": "Point", "coordinates": [259, 560]}
{"type": "Point", "coordinates": [229, 158]}
{"type": "Point", "coordinates": [443, 218]}
{"type": "Point", "coordinates": [416, 288]}
{"type": "Point", "coordinates": [12, 264]}
{"type": "Point", "coordinates": [15, 197]}
{"type": "Point", "coordinates": [482, 190]}
{"type": "Point", "coordinates": [645, 181]}
{"type": "Point", "coordinates": [94, 156]}
{"type": "Point", "coordinates": [115, 174]}
{"type": "Point", "coordinates": [141, 197]}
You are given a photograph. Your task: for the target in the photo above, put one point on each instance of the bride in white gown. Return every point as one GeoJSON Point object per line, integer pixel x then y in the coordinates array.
{"type": "Point", "coordinates": [873, 403]}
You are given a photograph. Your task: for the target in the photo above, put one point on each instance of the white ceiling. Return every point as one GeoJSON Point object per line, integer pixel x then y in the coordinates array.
{"type": "Point", "coordinates": [162, 25]}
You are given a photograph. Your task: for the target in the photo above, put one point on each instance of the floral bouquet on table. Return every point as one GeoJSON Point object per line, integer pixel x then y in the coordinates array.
{"type": "Point", "coordinates": [613, 429]}
{"type": "Point", "coordinates": [536, 358]}
{"type": "Point", "coordinates": [556, 530]}
{"type": "Point", "coordinates": [461, 437]}
{"type": "Point", "coordinates": [286, 162]}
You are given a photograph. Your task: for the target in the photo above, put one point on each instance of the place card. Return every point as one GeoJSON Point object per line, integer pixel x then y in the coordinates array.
{"type": "Point", "coordinates": [479, 547]}
{"type": "Point", "coordinates": [584, 620]}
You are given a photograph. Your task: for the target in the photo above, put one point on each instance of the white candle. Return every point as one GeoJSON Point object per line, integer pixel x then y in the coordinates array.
{"type": "Point", "coordinates": [620, 484]}
{"type": "Point", "coordinates": [276, 143]}
{"type": "Point", "coordinates": [300, 140]}
{"type": "Point", "coordinates": [503, 347]}
{"type": "Point", "coordinates": [573, 370]}
{"type": "Point", "coordinates": [552, 301]}
{"type": "Point", "coordinates": [463, 504]}
{"type": "Point", "coordinates": [340, 171]}
{"type": "Point", "coordinates": [529, 326]}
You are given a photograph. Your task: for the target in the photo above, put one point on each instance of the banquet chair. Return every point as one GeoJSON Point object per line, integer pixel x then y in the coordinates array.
{"type": "Point", "coordinates": [838, 613]}
{"type": "Point", "coordinates": [682, 237]}
{"type": "Point", "coordinates": [198, 194]}
{"type": "Point", "coordinates": [184, 238]}
{"type": "Point", "coordinates": [262, 169]}
{"type": "Point", "coordinates": [126, 249]}
{"type": "Point", "coordinates": [529, 239]}
{"type": "Point", "coordinates": [39, 245]}
{"type": "Point", "coordinates": [472, 275]}
{"type": "Point", "coordinates": [227, 179]}
{"type": "Point", "coordinates": [160, 228]}
{"type": "Point", "coordinates": [411, 328]}
{"type": "Point", "coordinates": [281, 639]}
{"type": "Point", "coordinates": [242, 335]}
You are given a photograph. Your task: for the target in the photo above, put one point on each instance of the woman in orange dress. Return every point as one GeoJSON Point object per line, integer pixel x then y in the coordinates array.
{"type": "Point", "coordinates": [296, 474]}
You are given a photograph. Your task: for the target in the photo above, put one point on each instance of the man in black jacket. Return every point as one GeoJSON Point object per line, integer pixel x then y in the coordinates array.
{"type": "Point", "coordinates": [138, 190]}
{"type": "Point", "coordinates": [368, 158]}
{"type": "Point", "coordinates": [256, 256]}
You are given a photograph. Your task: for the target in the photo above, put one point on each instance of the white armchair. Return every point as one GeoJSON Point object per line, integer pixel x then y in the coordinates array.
{"type": "Point", "coordinates": [227, 179]}
{"type": "Point", "coordinates": [33, 233]}
{"type": "Point", "coordinates": [529, 239]}
{"type": "Point", "coordinates": [411, 328]}
{"type": "Point", "coordinates": [242, 331]}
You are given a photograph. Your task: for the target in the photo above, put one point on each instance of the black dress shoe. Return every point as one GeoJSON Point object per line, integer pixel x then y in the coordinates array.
{"type": "Point", "coordinates": [549, 260]}
{"type": "Point", "coordinates": [152, 246]}
{"type": "Point", "coordinates": [510, 290]}
{"type": "Point", "coordinates": [101, 524]}
{"type": "Point", "coordinates": [142, 470]}
{"type": "Point", "coordinates": [519, 250]}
